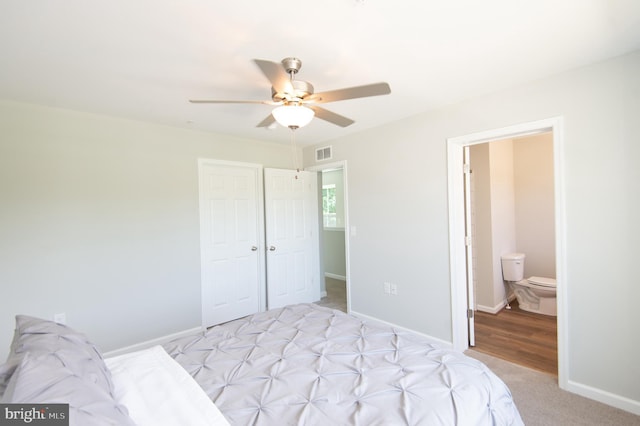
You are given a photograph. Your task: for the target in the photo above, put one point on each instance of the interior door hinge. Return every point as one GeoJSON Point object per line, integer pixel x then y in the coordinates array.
{"type": "Point", "coordinates": [467, 241]}
{"type": "Point", "coordinates": [466, 168]}
{"type": "Point", "coordinates": [469, 313]}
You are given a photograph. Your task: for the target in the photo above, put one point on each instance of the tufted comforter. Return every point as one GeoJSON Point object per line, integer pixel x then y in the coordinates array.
{"type": "Point", "coordinates": [309, 365]}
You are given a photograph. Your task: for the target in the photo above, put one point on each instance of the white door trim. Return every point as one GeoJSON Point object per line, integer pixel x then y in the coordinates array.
{"type": "Point", "coordinates": [457, 257]}
{"type": "Point", "coordinates": [347, 229]}
{"type": "Point", "coordinates": [471, 295]}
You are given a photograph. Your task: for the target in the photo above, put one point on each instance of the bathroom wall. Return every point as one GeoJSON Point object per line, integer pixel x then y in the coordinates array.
{"type": "Point", "coordinates": [534, 204]}
{"type": "Point", "coordinates": [503, 219]}
{"type": "Point", "coordinates": [514, 211]}
{"type": "Point", "coordinates": [482, 240]}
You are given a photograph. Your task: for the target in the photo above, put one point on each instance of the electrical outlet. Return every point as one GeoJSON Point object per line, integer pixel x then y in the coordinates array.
{"type": "Point", "coordinates": [387, 288]}
{"type": "Point", "coordinates": [394, 289]}
{"type": "Point", "coordinates": [60, 318]}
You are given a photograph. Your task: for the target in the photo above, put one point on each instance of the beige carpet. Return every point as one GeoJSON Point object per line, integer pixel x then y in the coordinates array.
{"type": "Point", "coordinates": [541, 402]}
{"type": "Point", "coordinates": [336, 295]}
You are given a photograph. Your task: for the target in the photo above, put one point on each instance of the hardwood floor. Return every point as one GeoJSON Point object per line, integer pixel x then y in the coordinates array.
{"type": "Point", "coordinates": [518, 336]}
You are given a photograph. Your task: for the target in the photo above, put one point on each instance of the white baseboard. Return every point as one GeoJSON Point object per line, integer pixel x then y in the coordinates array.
{"type": "Point", "coordinates": [440, 342]}
{"type": "Point", "coordinates": [491, 309]}
{"type": "Point", "coordinates": [153, 342]}
{"type": "Point", "coordinates": [494, 309]}
{"type": "Point", "coordinates": [605, 397]}
{"type": "Point", "coordinates": [335, 276]}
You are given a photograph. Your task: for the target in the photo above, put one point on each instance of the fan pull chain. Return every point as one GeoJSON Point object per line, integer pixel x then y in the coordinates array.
{"type": "Point", "coordinates": [293, 151]}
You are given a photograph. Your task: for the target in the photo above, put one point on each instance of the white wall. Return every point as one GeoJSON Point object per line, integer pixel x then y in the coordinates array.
{"type": "Point", "coordinates": [402, 181]}
{"type": "Point", "coordinates": [99, 219]}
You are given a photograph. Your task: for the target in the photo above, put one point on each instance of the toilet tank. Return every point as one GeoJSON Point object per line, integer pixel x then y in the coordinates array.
{"type": "Point", "coordinates": [513, 266]}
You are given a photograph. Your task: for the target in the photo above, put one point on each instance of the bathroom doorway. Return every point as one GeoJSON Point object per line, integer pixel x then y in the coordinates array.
{"type": "Point", "coordinates": [462, 317]}
{"type": "Point", "coordinates": [511, 208]}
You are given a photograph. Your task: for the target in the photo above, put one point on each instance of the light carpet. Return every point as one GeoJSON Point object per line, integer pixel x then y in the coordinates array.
{"type": "Point", "coordinates": [542, 403]}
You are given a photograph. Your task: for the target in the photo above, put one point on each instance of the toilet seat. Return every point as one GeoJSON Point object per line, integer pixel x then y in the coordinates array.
{"type": "Point", "coordinates": [543, 282]}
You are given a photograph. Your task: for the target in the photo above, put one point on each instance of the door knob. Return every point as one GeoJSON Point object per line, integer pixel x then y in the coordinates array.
{"type": "Point", "coordinates": [272, 248]}
{"type": "Point", "coordinates": [254, 248]}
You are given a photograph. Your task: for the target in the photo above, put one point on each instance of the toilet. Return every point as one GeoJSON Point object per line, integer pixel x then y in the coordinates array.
{"type": "Point", "coordinates": [535, 294]}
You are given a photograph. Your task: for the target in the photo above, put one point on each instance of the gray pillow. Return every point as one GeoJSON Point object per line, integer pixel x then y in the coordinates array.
{"type": "Point", "coordinates": [71, 349]}
{"type": "Point", "coordinates": [65, 354]}
{"type": "Point", "coordinates": [42, 379]}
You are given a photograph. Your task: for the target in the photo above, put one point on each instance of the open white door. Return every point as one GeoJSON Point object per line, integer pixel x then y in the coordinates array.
{"type": "Point", "coordinates": [292, 227]}
{"type": "Point", "coordinates": [471, 304]}
{"type": "Point", "coordinates": [232, 269]}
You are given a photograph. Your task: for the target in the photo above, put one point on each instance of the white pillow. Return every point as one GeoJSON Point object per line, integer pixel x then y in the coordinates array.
{"type": "Point", "coordinates": [158, 391]}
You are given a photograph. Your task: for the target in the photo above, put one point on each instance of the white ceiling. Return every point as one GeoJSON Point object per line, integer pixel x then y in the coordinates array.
{"type": "Point", "coordinates": [143, 59]}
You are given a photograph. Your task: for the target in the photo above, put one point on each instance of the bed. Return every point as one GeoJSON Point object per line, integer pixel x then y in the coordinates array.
{"type": "Point", "coordinates": [298, 365]}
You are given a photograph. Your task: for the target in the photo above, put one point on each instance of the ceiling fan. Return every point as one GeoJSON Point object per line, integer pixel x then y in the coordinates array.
{"type": "Point", "coordinates": [297, 103]}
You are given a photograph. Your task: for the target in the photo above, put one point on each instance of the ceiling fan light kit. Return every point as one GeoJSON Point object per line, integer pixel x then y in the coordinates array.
{"type": "Point", "coordinates": [292, 94]}
{"type": "Point", "coordinates": [293, 116]}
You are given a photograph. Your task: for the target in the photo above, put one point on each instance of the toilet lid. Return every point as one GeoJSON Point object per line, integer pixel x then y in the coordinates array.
{"type": "Point", "coordinates": [544, 282]}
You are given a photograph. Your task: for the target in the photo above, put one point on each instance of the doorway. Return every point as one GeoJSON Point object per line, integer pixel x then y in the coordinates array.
{"type": "Point", "coordinates": [511, 209]}
{"type": "Point", "coordinates": [457, 236]}
{"type": "Point", "coordinates": [334, 241]}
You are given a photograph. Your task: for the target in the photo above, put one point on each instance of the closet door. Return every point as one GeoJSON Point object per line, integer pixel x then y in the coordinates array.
{"type": "Point", "coordinates": [231, 243]}
{"type": "Point", "coordinates": [292, 227]}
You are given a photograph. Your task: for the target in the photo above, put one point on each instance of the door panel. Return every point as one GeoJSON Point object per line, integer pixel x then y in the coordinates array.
{"type": "Point", "coordinates": [291, 212]}
{"type": "Point", "coordinates": [232, 270]}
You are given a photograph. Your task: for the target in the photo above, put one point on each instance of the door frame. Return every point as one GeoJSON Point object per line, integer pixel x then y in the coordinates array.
{"type": "Point", "coordinates": [339, 165]}
{"type": "Point", "coordinates": [469, 237]}
{"type": "Point", "coordinates": [457, 254]}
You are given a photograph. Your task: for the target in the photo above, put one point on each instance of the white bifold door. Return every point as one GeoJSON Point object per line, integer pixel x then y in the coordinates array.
{"type": "Point", "coordinates": [292, 228]}
{"type": "Point", "coordinates": [242, 273]}
{"type": "Point", "coordinates": [231, 240]}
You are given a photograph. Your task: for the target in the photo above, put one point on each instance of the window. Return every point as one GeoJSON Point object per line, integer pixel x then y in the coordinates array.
{"type": "Point", "coordinates": [329, 217]}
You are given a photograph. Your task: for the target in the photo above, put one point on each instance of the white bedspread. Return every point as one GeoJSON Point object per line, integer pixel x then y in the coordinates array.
{"type": "Point", "coordinates": [308, 365]}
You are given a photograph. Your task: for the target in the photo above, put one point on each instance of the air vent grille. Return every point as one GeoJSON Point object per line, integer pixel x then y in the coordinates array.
{"type": "Point", "coordinates": [323, 154]}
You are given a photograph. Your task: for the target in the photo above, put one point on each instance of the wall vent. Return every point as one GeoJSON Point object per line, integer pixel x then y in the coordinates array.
{"type": "Point", "coordinates": [323, 154]}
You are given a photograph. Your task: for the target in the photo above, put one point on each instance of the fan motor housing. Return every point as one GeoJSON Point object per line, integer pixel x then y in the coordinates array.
{"type": "Point", "coordinates": [301, 89]}
{"type": "Point", "coordinates": [291, 65]}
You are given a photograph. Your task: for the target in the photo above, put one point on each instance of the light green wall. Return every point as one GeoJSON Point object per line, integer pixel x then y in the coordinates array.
{"type": "Point", "coordinates": [398, 205]}
{"type": "Point", "coordinates": [334, 253]}
{"type": "Point", "coordinates": [99, 219]}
